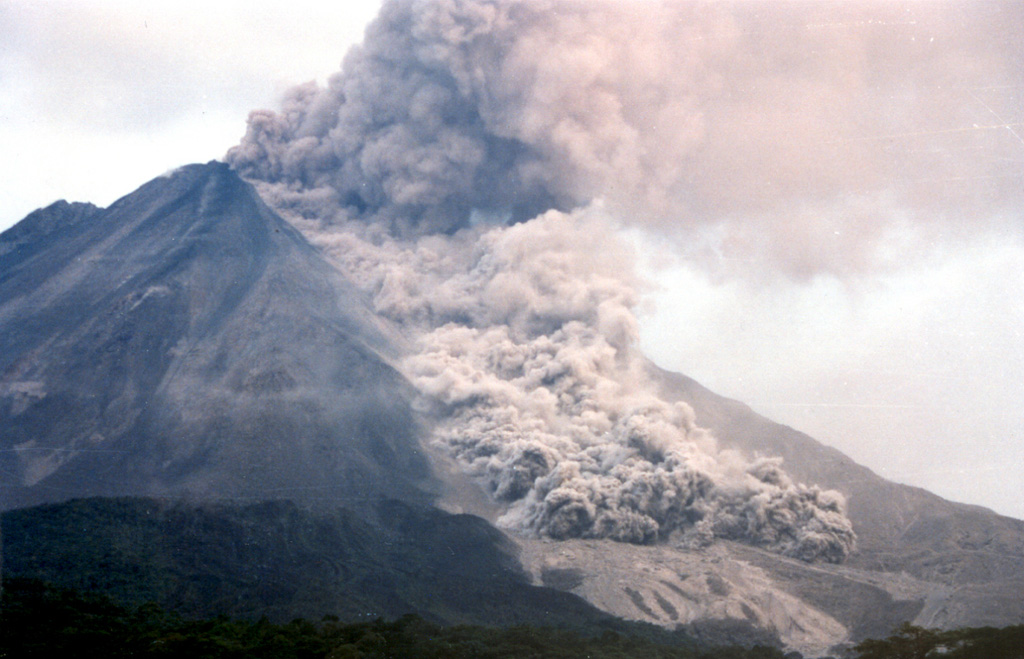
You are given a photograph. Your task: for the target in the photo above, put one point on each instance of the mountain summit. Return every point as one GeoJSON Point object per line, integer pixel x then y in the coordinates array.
{"type": "Point", "coordinates": [188, 341]}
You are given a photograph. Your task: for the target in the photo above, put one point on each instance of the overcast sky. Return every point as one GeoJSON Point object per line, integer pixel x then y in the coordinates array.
{"type": "Point", "coordinates": [912, 364]}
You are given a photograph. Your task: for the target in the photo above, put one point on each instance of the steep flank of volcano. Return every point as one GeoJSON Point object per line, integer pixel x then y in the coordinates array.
{"type": "Point", "coordinates": [187, 340]}
{"type": "Point", "coordinates": [974, 557]}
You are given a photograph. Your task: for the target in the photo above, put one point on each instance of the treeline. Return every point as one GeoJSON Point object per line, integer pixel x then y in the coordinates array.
{"type": "Point", "coordinates": [910, 642]}
{"type": "Point", "coordinates": [37, 620]}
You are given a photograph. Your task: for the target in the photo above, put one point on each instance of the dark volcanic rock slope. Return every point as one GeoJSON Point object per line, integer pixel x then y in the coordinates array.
{"type": "Point", "coordinates": [187, 340]}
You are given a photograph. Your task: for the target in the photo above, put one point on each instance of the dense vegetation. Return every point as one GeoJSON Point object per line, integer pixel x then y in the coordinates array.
{"type": "Point", "coordinates": [281, 561]}
{"type": "Point", "coordinates": [910, 642]}
{"type": "Point", "coordinates": [37, 620]}
{"type": "Point", "coordinates": [42, 621]}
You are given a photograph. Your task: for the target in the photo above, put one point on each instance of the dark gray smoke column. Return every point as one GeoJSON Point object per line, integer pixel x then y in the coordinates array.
{"type": "Point", "coordinates": [439, 168]}
{"type": "Point", "coordinates": [455, 112]}
{"type": "Point", "coordinates": [401, 136]}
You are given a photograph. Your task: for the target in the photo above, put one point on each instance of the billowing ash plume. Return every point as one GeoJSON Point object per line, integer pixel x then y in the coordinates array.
{"type": "Point", "coordinates": [451, 169]}
{"type": "Point", "coordinates": [799, 134]}
{"type": "Point", "coordinates": [452, 111]}
{"type": "Point", "coordinates": [524, 348]}
{"type": "Point", "coordinates": [545, 399]}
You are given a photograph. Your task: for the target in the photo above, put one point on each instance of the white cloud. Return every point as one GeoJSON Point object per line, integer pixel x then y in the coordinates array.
{"type": "Point", "coordinates": [98, 97]}
{"type": "Point", "coordinates": [917, 373]}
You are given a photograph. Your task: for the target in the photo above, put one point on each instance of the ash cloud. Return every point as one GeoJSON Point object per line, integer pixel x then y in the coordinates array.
{"type": "Point", "coordinates": [472, 163]}
{"type": "Point", "coordinates": [545, 399]}
{"type": "Point", "coordinates": [802, 135]}
{"type": "Point", "coordinates": [523, 347]}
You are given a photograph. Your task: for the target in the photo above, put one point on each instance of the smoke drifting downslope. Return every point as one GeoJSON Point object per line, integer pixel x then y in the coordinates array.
{"type": "Point", "coordinates": [532, 368]}
{"type": "Point", "coordinates": [471, 166]}
{"type": "Point", "coordinates": [524, 349]}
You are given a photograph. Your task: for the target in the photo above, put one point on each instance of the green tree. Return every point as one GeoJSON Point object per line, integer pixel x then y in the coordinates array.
{"type": "Point", "coordinates": [909, 642]}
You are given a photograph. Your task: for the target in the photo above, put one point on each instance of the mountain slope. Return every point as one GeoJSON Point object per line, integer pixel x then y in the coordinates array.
{"type": "Point", "coordinates": [976, 555]}
{"type": "Point", "coordinates": [188, 340]}
{"type": "Point", "coordinates": [919, 558]}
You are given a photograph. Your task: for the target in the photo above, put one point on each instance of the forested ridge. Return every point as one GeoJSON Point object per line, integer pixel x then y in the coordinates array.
{"type": "Point", "coordinates": [43, 621]}
{"type": "Point", "coordinates": [277, 560]}
{"type": "Point", "coordinates": [912, 642]}
{"type": "Point", "coordinates": [39, 620]}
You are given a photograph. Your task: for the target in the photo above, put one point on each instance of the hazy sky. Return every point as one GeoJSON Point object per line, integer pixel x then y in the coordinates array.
{"type": "Point", "coordinates": [900, 346]}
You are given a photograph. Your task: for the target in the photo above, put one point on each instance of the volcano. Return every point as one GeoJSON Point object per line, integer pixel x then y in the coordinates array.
{"type": "Point", "coordinates": [187, 343]}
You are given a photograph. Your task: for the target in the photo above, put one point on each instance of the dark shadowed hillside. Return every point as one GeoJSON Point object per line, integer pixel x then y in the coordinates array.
{"type": "Point", "coordinates": [278, 560]}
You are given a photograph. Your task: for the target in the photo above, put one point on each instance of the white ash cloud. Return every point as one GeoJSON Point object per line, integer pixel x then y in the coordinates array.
{"type": "Point", "coordinates": [448, 161]}
{"type": "Point", "coordinates": [796, 134]}
{"type": "Point", "coordinates": [524, 350]}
